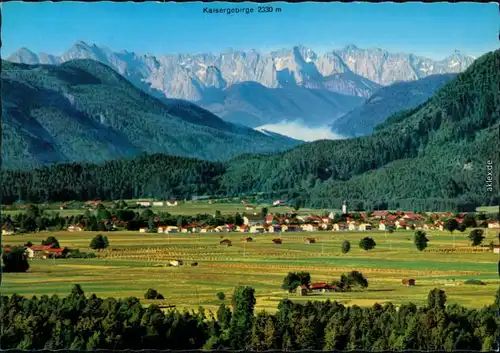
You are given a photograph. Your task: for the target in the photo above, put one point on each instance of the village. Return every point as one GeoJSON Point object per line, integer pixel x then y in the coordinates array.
{"type": "Point", "coordinates": [262, 221]}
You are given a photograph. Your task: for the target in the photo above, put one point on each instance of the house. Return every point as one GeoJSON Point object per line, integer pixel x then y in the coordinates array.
{"type": "Point", "coordinates": [248, 239]}
{"type": "Point", "coordinates": [171, 229]}
{"type": "Point", "coordinates": [244, 201]}
{"type": "Point", "coordinates": [269, 219]}
{"type": "Point", "coordinates": [382, 225]}
{"type": "Point", "coordinates": [275, 228]}
{"type": "Point", "coordinates": [63, 206]}
{"type": "Point", "coordinates": [429, 226]}
{"type": "Point", "coordinates": [314, 219]}
{"type": "Point", "coordinates": [249, 207]}
{"type": "Point", "coordinates": [257, 229]}
{"type": "Point", "coordinates": [320, 287]}
{"type": "Point", "coordinates": [36, 251]}
{"type": "Point", "coordinates": [92, 203]}
{"type": "Point", "coordinates": [253, 220]}
{"type": "Point", "coordinates": [194, 228]}
{"type": "Point", "coordinates": [172, 203]}
{"type": "Point", "coordinates": [302, 290]}
{"type": "Point", "coordinates": [309, 241]}
{"type": "Point", "coordinates": [277, 241]}
{"type": "Point", "coordinates": [412, 216]}
{"type": "Point", "coordinates": [401, 224]}
{"type": "Point", "coordinates": [353, 226]}
{"type": "Point", "coordinates": [493, 224]}
{"type": "Point", "coordinates": [324, 226]}
{"type": "Point", "coordinates": [243, 228]}
{"type": "Point", "coordinates": [143, 203]}
{"type": "Point", "coordinates": [339, 226]}
{"type": "Point", "coordinates": [221, 229]}
{"type": "Point", "coordinates": [75, 228]}
{"type": "Point", "coordinates": [158, 203]}
{"type": "Point", "coordinates": [292, 228]}
{"type": "Point", "coordinates": [380, 214]}
{"type": "Point", "coordinates": [439, 225]}
{"type": "Point", "coordinates": [279, 203]}
{"type": "Point", "coordinates": [282, 220]}
{"type": "Point", "coordinates": [55, 252]}
{"type": "Point", "coordinates": [143, 230]}
{"type": "Point", "coordinates": [496, 249]}
{"type": "Point", "coordinates": [8, 229]}
{"type": "Point", "coordinates": [226, 242]}
{"type": "Point", "coordinates": [410, 282]}
{"type": "Point", "coordinates": [365, 226]}
{"type": "Point", "coordinates": [29, 253]}
{"type": "Point", "coordinates": [309, 227]}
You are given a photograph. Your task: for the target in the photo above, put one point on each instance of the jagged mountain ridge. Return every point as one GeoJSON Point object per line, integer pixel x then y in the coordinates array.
{"type": "Point", "coordinates": [189, 76]}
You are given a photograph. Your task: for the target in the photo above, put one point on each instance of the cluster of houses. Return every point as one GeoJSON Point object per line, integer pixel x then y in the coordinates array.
{"type": "Point", "coordinates": [41, 251]}
{"type": "Point", "coordinates": [318, 287]}
{"type": "Point", "coordinates": [140, 203]}
{"type": "Point", "coordinates": [381, 220]}
{"type": "Point", "coordinates": [322, 287]}
{"type": "Point", "coordinates": [170, 203]}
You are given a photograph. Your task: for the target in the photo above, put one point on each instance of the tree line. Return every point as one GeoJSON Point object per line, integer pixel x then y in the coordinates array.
{"type": "Point", "coordinates": [87, 322]}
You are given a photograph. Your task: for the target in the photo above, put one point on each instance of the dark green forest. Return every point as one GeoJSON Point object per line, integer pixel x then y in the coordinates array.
{"type": "Point", "coordinates": [88, 322]}
{"type": "Point", "coordinates": [433, 157]}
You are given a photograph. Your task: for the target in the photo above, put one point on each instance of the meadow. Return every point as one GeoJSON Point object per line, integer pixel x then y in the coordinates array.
{"type": "Point", "coordinates": [137, 261]}
{"type": "Point", "coordinates": [187, 208]}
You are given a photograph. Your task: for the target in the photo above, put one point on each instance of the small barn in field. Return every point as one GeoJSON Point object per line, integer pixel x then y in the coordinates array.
{"type": "Point", "coordinates": [309, 241]}
{"type": "Point", "coordinates": [277, 241]}
{"type": "Point", "coordinates": [226, 242]}
{"type": "Point", "coordinates": [248, 239]}
{"type": "Point", "coordinates": [408, 282]}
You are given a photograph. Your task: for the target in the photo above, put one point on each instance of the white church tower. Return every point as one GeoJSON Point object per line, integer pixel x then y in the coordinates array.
{"type": "Point", "coordinates": [344, 207]}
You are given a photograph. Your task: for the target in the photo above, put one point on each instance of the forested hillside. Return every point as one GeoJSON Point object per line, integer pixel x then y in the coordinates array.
{"type": "Point", "coordinates": [387, 101]}
{"type": "Point", "coordinates": [83, 111]}
{"type": "Point", "coordinates": [434, 156]}
{"type": "Point", "coordinates": [437, 150]}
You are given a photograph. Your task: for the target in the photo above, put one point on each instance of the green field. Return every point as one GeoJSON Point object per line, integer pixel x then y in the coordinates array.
{"type": "Point", "coordinates": [188, 208]}
{"type": "Point", "coordinates": [138, 263]}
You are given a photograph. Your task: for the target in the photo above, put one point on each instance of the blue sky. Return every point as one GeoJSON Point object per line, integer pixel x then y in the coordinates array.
{"type": "Point", "coordinates": [434, 30]}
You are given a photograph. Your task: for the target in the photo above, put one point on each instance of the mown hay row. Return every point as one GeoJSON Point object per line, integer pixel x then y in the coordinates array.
{"type": "Point", "coordinates": [339, 269]}
{"type": "Point", "coordinates": [459, 250]}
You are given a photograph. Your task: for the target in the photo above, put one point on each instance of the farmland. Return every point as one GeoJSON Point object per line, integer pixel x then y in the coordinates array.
{"type": "Point", "coordinates": [135, 262]}
{"type": "Point", "coordinates": [187, 208]}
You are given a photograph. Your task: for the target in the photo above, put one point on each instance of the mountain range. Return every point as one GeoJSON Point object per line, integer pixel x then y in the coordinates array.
{"type": "Point", "coordinates": [432, 157]}
{"type": "Point", "coordinates": [83, 110]}
{"type": "Point", "coordinates": [253, 88]}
